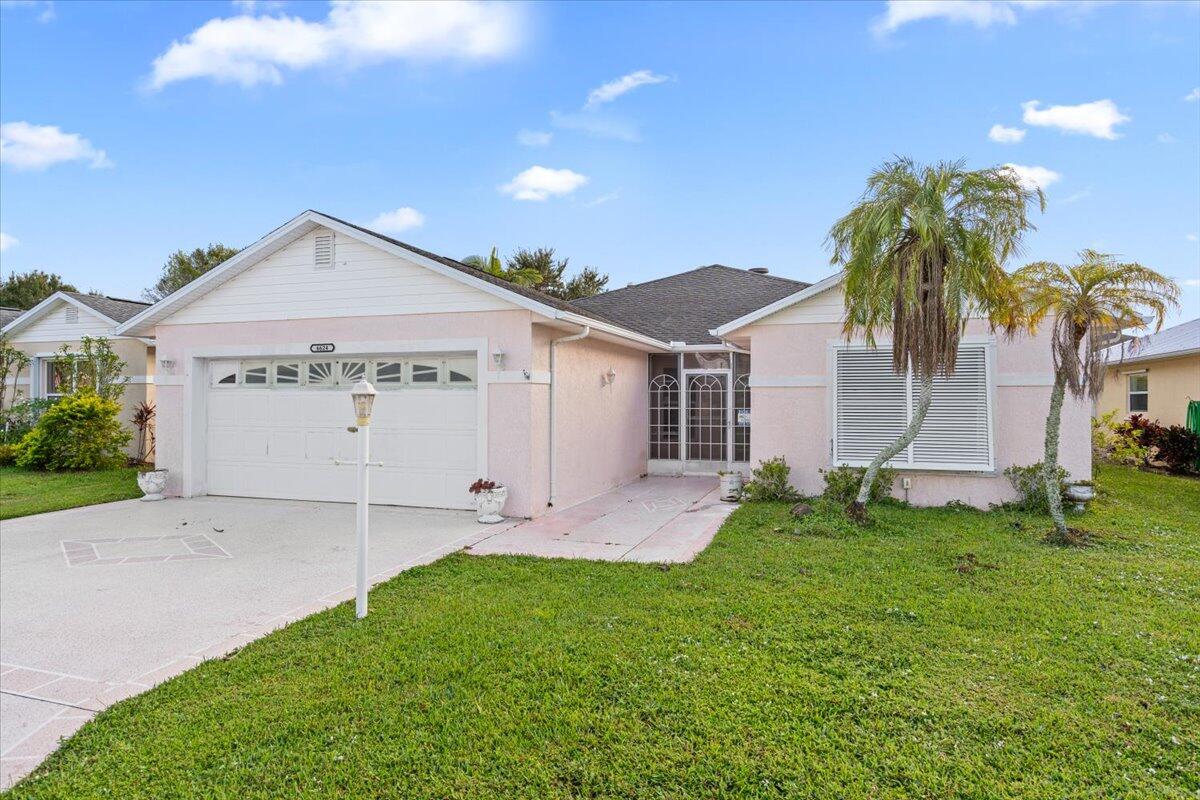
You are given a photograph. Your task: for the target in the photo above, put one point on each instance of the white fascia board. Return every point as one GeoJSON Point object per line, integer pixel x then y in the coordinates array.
{"type": "Point", "coordinates": [778, 305]}
{"type": "Point", "coordinates": [1117, 361]}
{"type": "Point", "coordinates": [605, 327]}
{"type": "Point", "coordinates": [35, 312]}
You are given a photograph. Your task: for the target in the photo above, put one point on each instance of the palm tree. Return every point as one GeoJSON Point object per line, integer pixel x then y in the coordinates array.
{"type": "Point", "coordinates": [924, 251]}
{"type": "Point", "coordinates": [1089, 300]}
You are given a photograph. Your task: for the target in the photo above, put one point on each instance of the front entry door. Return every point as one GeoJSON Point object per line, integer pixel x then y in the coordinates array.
{"type": "Point", "coordinates": [706, 416]}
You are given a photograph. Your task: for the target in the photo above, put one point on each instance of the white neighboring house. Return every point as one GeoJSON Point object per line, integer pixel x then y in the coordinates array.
{"type": "Point", "coordinates": [65, 318]}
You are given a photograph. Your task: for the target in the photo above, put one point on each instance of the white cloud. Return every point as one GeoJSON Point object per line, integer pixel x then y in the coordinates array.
{"type": "Point", "coordinates": [401, 219]}
{"type": "Point", "coordinates": [626, 83]}
{"type": "Point", "coordinates": [35, 147]}
{"type": "Point", "coordinates": [540, 183]}
{"type": "Point", "coordinates": [45, 8]}
{"type": "Point", "coordinates": [1077, 196]}
{"type": "Point", "coordinates": [1191, 237]}
{"type": "Point", "coordinates": [1034, 177]}
{"type": "Point", "coordinates": [601, 126]}
{"type": "Point", "coordinates": [602, 199]}
{"type": "Point", "coordinates": [1000, 133]}
{"type": "Point", "coordinates": [7, 241]}
{"type": "Point", "coordinates": [530, 138]}
{"type": "Point", "coordinates": [249, 50]}
{"type": "Point", "coordinates": [1166, 138]}
{"type": "Point", "coordinates": [979, 13]}
{"type": "Point", "coordinates": [1192, 96]}
{"type": "Point", "coordinates": [1097, 118]}
{"type": "Point", "coordinates": [252, 6]}
{"type": "Point", "coordinates": [1191, 281]}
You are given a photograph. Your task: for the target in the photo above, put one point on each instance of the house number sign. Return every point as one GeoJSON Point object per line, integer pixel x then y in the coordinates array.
{"type": "Point", "coordinates": [324, 347]}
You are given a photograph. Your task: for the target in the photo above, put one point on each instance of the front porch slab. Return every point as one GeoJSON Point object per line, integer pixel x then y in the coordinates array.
{"type": "Point", "coordinates": [658, 519]}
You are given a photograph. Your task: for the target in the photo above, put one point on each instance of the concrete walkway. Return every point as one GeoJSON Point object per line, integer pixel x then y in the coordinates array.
{"type": "Point", "coordinates": [653, 520]}
{"type": "Point", "coordinates": [101, 603]}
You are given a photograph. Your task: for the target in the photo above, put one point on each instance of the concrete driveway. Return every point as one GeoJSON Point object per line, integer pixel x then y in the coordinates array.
{"type": "Point", "coordinates": [101, 603]}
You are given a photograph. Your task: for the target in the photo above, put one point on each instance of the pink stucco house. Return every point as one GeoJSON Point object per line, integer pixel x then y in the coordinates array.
{"type": "Point", "coordinates": [715, 368]}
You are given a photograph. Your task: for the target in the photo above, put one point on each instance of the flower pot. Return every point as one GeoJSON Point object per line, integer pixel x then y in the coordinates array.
{"type": "Point", "coordinates": [489, 503]}
{"type": "Point", "coordinates": [1080, 495]}
{"type": "Point", "coordinates": [731, 485]}
{"type": "Point", "coordinates": [152, 484]}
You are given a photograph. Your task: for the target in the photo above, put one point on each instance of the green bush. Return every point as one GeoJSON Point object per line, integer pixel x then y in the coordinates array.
{"type": "Point", "coordinates": [1178, 448]}
{"type": "Point", "coordinates": [80, 431]}
{"type": "Point", "coordinates": [769, 482]}
{"type": "Point", "coordinates": [19, 418]}
{"type": "Point", "coordinates": [1121, 441]}
{"type": "Point", "coordinates": [8, 455]}
{"type": "Point", "coordinates": [1031, 487]}
{"type": "Point", "coordinates": [842, 483]}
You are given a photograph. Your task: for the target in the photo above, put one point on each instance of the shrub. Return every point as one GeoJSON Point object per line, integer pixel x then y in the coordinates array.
{"type": "Point", "coordinates": [1031, 487]}
{"type": "Point", "coordinates": [841, 484]}
{"type": "Point", "coordinates": [1178, 448]}
{"type": "Point", "coordinates": [8, 454]}
{"type": "Point", "coordinates": [20, 418]}
{"type": "Point", "coordinates": [769, 481]}
{"type": "Point", "coordinates": [1122, 441]}
{"type": "Point", "coordinates": [80, 431]}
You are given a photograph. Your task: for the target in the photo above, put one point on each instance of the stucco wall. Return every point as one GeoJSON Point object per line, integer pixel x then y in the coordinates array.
{"type": "Point", "coordinates": [1171, 382]}
{"type": "Point", "coordinates": [139, 362]}
{"type": "Point", "coordinates": [600, 429]}
{"type": "Point", "coordinates": [793, 421]}
{"type": "Point", "coordinates": [509, 422]}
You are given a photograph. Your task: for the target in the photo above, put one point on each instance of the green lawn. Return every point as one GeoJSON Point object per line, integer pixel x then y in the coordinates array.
{"type": "Point", "coordinates": [821, 662]}
{"type": "Point", "coordinates": [24, 492]}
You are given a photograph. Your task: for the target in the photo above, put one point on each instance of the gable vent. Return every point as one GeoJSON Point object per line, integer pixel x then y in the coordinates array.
{"type": "Point", "coordinates": [323, 251]}
{"type": "Point", "coordinates": [72, 314]}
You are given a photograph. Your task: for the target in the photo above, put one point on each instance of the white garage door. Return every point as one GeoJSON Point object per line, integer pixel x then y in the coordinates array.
{"type": "Point", "coordinates": [276, 427]}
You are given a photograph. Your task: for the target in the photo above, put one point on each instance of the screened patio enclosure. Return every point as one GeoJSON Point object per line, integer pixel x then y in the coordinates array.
{"type": "Point", "coordinates": [699, 412]}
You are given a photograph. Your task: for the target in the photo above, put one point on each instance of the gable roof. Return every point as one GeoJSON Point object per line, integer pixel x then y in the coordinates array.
{"type": "Point", "coordinates": [686, 307]}
{"type": "Point", "coordinates": [7, 315]}
{"type": "Point", "coordinates": [780, 304]}
{"type": "Point", "coordinates": [303, 223]}
{"type": "Point", "coordinates": [113, 310]}
{"type": "Point", "coordinates": [1179, 340]}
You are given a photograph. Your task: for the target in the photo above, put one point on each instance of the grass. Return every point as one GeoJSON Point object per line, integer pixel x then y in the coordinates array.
{"type": "Point", "coordinates": [940, 653]}
{"type": "Point", "coordinates": [24, 492]}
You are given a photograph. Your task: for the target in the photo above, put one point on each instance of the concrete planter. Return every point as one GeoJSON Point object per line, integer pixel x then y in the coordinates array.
{"type": "Point", "coordinates": [731, 485]}
{"type": "Point", "coordinates": [152, 484]}
{"type": "Point", "coordinates": [1080, 495]}
{"type": "Point", "coordinates": [489, 503]}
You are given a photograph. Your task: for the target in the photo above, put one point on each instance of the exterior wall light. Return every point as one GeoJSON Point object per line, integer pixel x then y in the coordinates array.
{"type": "Point", "coordinates": [498, 358]}
{"type": "Point", "coordinates": [168, 365]}
{"type": "Point", "coordinates": [610, 376]}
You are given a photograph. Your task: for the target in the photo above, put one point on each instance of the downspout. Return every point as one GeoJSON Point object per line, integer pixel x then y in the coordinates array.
{"type": "Point", "coordinates": [583, 334]}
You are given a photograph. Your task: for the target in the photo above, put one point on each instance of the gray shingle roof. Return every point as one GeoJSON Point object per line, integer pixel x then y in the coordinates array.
{"type": "Point", "coordinates": [532, 294]}
{"type": "Point", "coordinates": [1178, 340]}
{"type": "Point", "coordinates": [7, 315]}
{"type": "Point", "coordinates": [685, 307]}
{"type": "Point", "coordinates": [115, 308]}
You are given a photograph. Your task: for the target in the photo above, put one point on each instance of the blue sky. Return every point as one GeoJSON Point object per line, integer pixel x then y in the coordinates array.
{"type": "Point", "coordinates": [667, 135]}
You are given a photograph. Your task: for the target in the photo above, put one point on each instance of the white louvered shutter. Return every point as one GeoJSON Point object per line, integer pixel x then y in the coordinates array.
{"type": "Point", "coordinates": [872, 405]}
{"type": "Point", "coordinates": [956, 432]}
{"type": "Point", "coordinates": [323, 251]}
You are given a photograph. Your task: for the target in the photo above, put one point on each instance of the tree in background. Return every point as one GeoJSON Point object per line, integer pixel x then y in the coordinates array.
{"type": "Point", "coordinates": [25, 290]}
{"type": "Point", "coordinates": [1089, 301]}
{"type": "Point", "coordinates": [183, 268]}
{"type": "Point", "coordinates": [923, 251]}
{"type": "Point", "coordinates": [538, 269]}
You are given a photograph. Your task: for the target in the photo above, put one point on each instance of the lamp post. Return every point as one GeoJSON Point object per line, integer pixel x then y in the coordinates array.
{"type": "Point", "coordinates": [363, 395]}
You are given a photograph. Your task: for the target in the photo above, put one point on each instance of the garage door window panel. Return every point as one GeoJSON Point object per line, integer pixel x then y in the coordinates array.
{"type": "Point", "coordinates": [287, 374]}
{"type": "Point", "coordinates": [389, 373]}
{"type": "Point", "coordinates": [426, 372]}
{"type": "Point", "coordinates": [322, 373]}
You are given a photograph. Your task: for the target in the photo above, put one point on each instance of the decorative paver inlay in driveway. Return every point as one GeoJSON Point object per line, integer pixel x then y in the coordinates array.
{"type": "Point", "coordinates": [140, 550]}
{"type": "Point", "coordinates": [654, 520]}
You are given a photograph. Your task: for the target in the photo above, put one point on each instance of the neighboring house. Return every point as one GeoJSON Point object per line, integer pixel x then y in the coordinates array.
{"type": "Point", "coordinates": [559, 401]}
{"type": "Point", "coordinates": [7, 315]}
{"type": "Point", "coordinates": [1154, 375]}
{"type": "Point", "coordinates": [65, 318]}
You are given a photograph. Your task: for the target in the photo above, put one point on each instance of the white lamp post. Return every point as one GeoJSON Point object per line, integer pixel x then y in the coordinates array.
{"type": "Point", "coordinates": [363, 395]}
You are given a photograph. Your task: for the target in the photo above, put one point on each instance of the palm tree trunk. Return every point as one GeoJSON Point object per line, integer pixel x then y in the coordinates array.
{"type": "Point", "coordinates": [858, 509]}
{"type": "Point", "coordinates": [1050, 462]}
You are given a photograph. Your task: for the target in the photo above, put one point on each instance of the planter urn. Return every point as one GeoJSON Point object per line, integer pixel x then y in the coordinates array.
{"type": "Point", "coordinates": [152, 484]}
{"type": "Point", "coordinates": [489, 503]}
{"type": "Point", "coordinates": [731, 485]}
{"type": "Point", "coordinates": [1080, 495]}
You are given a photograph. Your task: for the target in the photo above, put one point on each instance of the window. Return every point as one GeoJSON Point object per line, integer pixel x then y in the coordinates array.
{"type": "Point", "coordinates": [1139, 393]}
{"type": "Point", "coordinates": [872, 407]}
{"type": "Point", "coordinates": [389, 372]}
{"type": "Point", "coordinates": [425, 372]}
{"type": "Point", "coordinates": [287, 374]}
{"type": "Point", "coordinates": [254, 374]}
{"type": "Point", "coordinates": [322, 373]}
{"type": "Point", "coordinates": [224, 373]}
{"type": "Point", "coordinates": [59, 378]}
{"type": "Point", "coordinates": [460, 370]}
{"type": "Point", "coordinates": [353, 371]}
